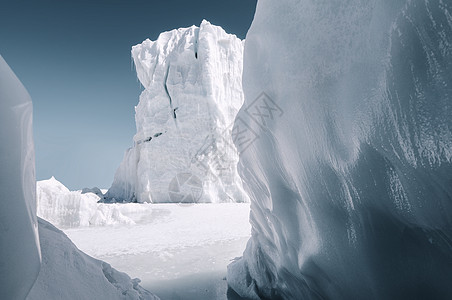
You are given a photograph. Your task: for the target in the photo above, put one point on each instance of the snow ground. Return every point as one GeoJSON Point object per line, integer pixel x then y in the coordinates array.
{"type": "Point", "coordinates": [178, 251]}
{"type": "Point", "coordinates": [89, 278]}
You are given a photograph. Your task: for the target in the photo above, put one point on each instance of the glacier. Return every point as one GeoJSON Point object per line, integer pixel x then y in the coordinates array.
{"type": "Point", "coordinates": [183, 150]}
{"type": "Point", "coordinates": [350, 178]}
{"type": "Point", "coordinates": [20, 255]}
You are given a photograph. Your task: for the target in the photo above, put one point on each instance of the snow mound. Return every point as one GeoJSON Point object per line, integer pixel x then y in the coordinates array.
{"type": "Point", "coordinates": [68, 273]}
{"type": "Point", "coordinates": [66, 209]}
{"type": "Point", "coordinates": [350, 178]}
{"type": "Point", "coordinates": [19, 245]}
{"type": "Point", "coordinates": [183, 150]}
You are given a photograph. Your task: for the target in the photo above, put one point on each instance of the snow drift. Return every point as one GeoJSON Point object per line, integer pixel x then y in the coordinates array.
{"type": "Point", "coordinates": [183, 150]}
{"type": "Point", "coordinates": [20, 255]}
{"type": "Point", "coordinates": [351, 182]}
{"type": "Point", "coordinates": [68, 273]}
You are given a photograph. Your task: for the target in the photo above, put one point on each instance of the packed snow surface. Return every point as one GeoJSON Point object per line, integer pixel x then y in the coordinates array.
{"type": "Point", "coordinates": [350, 178]}
{"type": "Point", "coordinates": [68, 273]}
{"type": "Point", "coordinates": [179, 251]}
{"type": "Point", "coordinates": [183, 150]}
{"type": "Point", "coordinates": [19, 245]}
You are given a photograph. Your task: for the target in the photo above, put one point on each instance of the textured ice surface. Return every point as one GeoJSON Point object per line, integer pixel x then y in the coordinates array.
{"type": "Point", "coordinates": [183, 149]}
{"type": "Point", "coordinates": [68, 273]}
{"type": "Point", "coordinates": [351, 187]}
{"type": "Point", "coordinates": [67, 209]}
{"type": "Point", "coordinates": [19, 246]}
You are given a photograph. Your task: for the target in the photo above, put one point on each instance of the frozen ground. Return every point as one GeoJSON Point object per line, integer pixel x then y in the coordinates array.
{"type": "Point", "coordinates": [178, 251]}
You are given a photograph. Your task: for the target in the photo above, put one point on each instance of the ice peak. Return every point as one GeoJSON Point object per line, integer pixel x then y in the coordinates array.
{"type": "Point", "coordinates": [152, 58]}
{"type": "Point", "coordinates": [54, 185]}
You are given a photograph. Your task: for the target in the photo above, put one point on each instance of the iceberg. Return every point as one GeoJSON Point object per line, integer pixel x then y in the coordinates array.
{"type": "Point", "coordinates": [350, 178]}
{"type": "Point", "coordinates": [20, 255]}
{"type": "Point", "coordinates": [183, 150]}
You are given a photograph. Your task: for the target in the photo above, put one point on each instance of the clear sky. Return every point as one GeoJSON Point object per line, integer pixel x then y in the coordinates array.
{"type": "Point", "coordinates": [74, 59]}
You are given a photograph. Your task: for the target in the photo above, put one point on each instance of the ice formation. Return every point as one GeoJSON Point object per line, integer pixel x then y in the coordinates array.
{"type": "Point", "coordinates": [350, 176]}
{"type": "Point", "coordinates": [68, 209]}
{"type": "Point", "coordinates": [68, 273]}
{"type": "Point", "coordinates": [183, 150]}
{"type": "Point", "coordinates": [20, 255]}
{"type": "Point", "coordinates": [95, 190]}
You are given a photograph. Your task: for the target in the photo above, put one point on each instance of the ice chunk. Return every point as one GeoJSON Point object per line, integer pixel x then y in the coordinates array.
{"type": "Point", "coordinates": [67, 209]}
{"type": "Point", "coordinates": [183, 149]}
{"type": "Point", "coordinates": [68, 273]}
{"type": "Point", "coordinates": [19, 245]}
{"type": "Point", "coordinates": [95, 190]}
{"type": "Point", "coordinates": [350, 179]}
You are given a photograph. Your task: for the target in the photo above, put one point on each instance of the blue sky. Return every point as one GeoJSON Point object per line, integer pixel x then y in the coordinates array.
{"type": "Point", "coordinates": [74, 59]}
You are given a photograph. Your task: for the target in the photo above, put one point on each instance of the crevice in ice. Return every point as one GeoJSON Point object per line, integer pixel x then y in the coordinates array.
{"type": "Point", "coordinates": [149, 138]}
{"type": "Point", "coordinates": [196, 42]}
{"type": "Point", "coordinates": [166, 86]}
{"type": "Point", "coordinates": [168, 94]}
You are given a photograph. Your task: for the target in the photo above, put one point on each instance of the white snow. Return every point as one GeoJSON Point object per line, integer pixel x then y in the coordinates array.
{"type": "Point", "coordinates": [183, 150]}
{"type": "Point", "coordinates": [68, 273]}
{"type": "Point", "coordinates": [19, 246]}
{"type": "Point", "coordinates": [179, 251]}
{"type": "Point", "coordinates": [163, 227]}
{"type": "Point", "coordinates": [350, 176]}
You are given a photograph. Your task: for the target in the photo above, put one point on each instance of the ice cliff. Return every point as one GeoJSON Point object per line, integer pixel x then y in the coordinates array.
{"type": "Point", "coordinates": [183, 150]}
{"type": "Point", "coordinates": [20, 255]}
{"type": "Point", "coordinates": [350, 178]}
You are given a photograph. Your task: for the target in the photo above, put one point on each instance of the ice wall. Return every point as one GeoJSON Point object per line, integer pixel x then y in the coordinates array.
{"type": "Point", "coordinates": [183, 149]}
{"type": "Point", "coordinates": [20, 255]}
{"type": "Point", "coordinates": [350, 178]}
